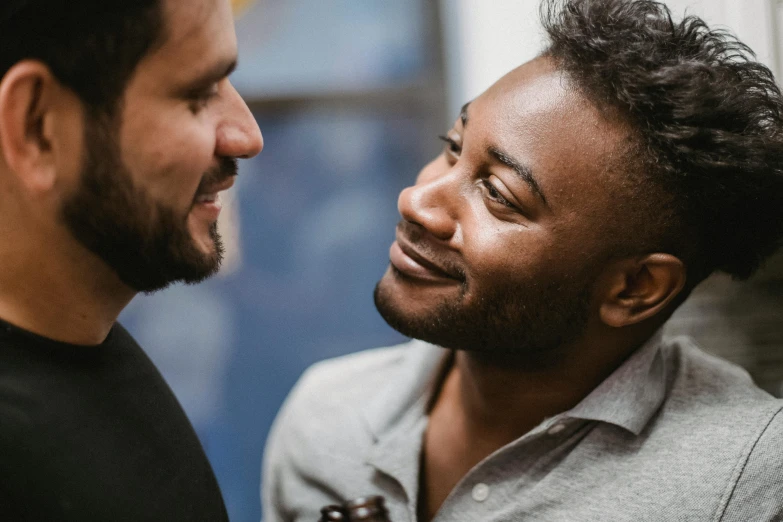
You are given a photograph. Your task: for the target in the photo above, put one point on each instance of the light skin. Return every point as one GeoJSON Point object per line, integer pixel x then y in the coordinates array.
{"type": "Point", "coordinates": [180, 116]}
{"type": "Point", "coordinates": [521, 193]}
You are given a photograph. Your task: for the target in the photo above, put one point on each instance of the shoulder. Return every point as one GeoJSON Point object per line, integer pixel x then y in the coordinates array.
{"type": "Point", "coordinates": [338, 391]}
{"type": "Point", "coordinates": [327, 426]}
{"type": "Point", "coordinates": [353, 373]}
{"type": "Point", "coordinates": [345, 375]}
{"type": "Point", "coordinates": [714, 411]}
{"type": "Point", "coordinates": [698, 377]}
{"type": "Point", "coordinates": [757, 493]}
{"type": "Point", "coordinates": [713, 397]}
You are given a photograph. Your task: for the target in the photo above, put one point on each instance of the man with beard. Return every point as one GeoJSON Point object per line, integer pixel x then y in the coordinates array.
{"type": "Point", "coordinates": [118, 130]}
{"type": "Point", "coordinates": [576, 204]}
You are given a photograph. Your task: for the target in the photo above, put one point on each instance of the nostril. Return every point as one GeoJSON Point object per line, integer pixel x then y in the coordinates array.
{"type": "Point", "coordinates": [434, 219]}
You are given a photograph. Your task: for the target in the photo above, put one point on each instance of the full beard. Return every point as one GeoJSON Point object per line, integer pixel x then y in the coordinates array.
{"type": "Point", "coordinates": [147, 244]}
{"type": "Point", "coordinates": [529, 323]}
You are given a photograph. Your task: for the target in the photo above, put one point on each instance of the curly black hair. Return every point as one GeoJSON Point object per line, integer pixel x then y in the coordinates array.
{"type": "Point", "coordinates": [707, 121]}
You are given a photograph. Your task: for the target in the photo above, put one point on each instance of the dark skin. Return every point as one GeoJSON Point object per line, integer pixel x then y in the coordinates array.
{"type": "Point", "coordinates": [495, 224]}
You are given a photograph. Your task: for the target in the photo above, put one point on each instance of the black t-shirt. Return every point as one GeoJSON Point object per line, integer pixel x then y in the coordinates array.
{"type": "Point", "coordinates": [94, 433]}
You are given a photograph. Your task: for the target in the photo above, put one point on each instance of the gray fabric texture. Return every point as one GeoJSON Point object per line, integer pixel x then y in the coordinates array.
{"type": "Point", "coordinates": [674, 434]}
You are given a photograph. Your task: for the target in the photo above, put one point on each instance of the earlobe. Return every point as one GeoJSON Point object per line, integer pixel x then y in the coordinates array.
{"type": "Point", "coordinates": [25, 126]}
{"type": "Point", "coordinates": [638, 289]}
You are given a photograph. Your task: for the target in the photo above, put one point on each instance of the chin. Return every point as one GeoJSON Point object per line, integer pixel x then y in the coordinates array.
{"type": "Point", "coordinates": [408, 314]}
{"type": "Point", "coordinates": [206, 245]}
{"type": "Point", "coordinates": [400, 298]}
{"type": "Point", "coordinates": [203, 236]}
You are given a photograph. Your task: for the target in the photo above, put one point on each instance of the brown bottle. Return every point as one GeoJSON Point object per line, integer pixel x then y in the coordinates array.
{"type": "Point", "coordinates": [333, 514]}
{"type": "Point", "coordinates": [367, 509]}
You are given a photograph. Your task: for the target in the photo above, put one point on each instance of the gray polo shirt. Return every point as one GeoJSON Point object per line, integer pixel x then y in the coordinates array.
{"type": "Point", "coordinates": [673, 434]}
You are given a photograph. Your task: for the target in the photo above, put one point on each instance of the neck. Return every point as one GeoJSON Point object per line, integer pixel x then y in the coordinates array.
{"type": "Point", "coordinates": [54, 287]}
{"type": "Point", "coordinates": [483, 405]}
{"type": "Point", "coordinates": [503, 402]}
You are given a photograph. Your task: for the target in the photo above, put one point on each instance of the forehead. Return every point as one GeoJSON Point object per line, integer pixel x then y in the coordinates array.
{"type": "Point", "coordinates": [197, 33]}
{"type": "Point", "coordinates": [536, 115]}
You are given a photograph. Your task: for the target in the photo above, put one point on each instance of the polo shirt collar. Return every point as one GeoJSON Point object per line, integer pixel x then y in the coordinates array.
{"type": "Point", "coordinates": [632, 394]}
{"type": "Point", "coordinates": [628, 398]}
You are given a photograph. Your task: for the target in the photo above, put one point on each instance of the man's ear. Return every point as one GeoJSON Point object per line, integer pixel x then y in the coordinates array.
{"type": "Point", "coordinates": [32, 122]}
{"type": "Point", "coordinates": [639, 288]}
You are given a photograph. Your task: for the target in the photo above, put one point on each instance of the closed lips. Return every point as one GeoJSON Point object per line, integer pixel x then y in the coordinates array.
{"type": "Point", "coordinates": [414, 254]}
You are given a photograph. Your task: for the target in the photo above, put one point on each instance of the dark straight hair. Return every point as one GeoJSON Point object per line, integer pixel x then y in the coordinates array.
{"type": "Point", "coordinates": [91, 46]}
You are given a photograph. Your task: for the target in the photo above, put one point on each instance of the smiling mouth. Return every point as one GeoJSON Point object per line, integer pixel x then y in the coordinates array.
{"type": "Point", "coordinates": [213, 197]}
{"type": "Point", "coordinates": [407, 261]}
{"type": "Point", "coordinates": [210, 195]}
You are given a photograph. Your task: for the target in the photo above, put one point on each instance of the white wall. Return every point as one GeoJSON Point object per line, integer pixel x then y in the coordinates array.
{"type": "Point", "coordinates": [487, 38]}
{"type": "Point", "coordinates": [751, 20]}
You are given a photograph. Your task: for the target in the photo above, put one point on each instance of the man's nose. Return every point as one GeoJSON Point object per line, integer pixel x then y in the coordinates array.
{"type": "Point", "coordinates": [238, 135]}
{"type": "Point", "coordinates": [432, 203]}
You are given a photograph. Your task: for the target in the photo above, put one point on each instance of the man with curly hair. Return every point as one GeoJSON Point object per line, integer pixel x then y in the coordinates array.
{"type": "Point", "coordinates": [575, 206]}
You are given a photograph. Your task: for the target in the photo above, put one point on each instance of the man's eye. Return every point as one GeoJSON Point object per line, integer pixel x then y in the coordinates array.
{"type": "Point", "coordinates": [200, 99]}
{"type": "Point", "coordinates": [452, 146]}
{"type": "Point", "coordinates": [494, 194]}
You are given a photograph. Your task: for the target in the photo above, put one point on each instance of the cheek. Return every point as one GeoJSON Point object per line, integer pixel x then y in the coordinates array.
{"type": "Point", "coordinates": [168, 156]}
{"type": "Point", "coordinates": [503, 254]}
{"type": "Point", "coordinates": [72, 158]}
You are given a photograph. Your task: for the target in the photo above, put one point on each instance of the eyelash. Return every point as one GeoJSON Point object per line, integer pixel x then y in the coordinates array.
{"type": "Point", "coordinates": [493, 193]}
{"type": "Point", "coordinates": [451, 145]}
{"type": "Point", "coordinates": [199, 100]}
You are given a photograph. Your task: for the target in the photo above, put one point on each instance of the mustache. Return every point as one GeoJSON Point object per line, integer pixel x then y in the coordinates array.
{"type": "Point", "coordinates": [226, 168]}
{"type": "Point", "coordinates": [418, 237]}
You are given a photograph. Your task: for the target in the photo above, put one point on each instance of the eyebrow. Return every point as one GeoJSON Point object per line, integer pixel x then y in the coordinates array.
{"type": "Point", "coordinates": [463, 114]}
{"type": "Point", "coordinates": [214, 74]}
{"type": "Point", "coordinates": [522, 171]}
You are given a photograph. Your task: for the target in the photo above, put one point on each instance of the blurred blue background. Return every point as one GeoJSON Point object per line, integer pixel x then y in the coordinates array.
{"type": "Point", "coordinates": [350, 96]}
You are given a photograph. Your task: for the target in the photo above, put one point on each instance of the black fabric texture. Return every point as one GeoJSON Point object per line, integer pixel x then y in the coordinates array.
{"type": "Point", "coordinates": [93, 433]}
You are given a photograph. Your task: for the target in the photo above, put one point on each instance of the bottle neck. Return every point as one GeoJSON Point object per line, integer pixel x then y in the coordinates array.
{"type": "Point", "coordinates": [333, 514]}
{"type": "Point", "coordinates": [367, 509]}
